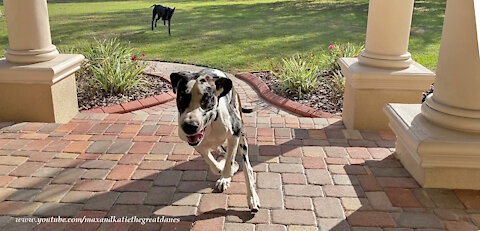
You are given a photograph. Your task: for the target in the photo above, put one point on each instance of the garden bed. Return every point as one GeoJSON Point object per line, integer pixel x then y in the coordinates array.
{"type": "Point", "coordinates": [324, 99]}
{"type": "Point", "coordinates": [111, 80]}
{"type": "Point", "coordinates": [90, 98]}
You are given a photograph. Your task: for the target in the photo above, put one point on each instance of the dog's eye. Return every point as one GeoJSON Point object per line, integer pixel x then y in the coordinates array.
{"type": "Point", "coordinates": [183, 100]}
{"type": "Point", "coordinates": [203, 81]}
{"type": "Point", "coordinates": [207, 102]}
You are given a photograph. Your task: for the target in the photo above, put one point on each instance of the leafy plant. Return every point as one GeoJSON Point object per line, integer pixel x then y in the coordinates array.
{"type": "Point", "coordinates": [336, 83]}
{"type": "Point", "coordinates": [328, 58]}
{"type": "Point", "coordinates": [297, 74]}
{"type": "Point", "coordinates": [303, 73]}
{"type": "Point", "coordinates": [113, 67]}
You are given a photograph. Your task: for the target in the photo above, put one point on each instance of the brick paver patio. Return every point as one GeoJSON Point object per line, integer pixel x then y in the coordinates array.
{"type": "Point", "coordinates": [312, 174]}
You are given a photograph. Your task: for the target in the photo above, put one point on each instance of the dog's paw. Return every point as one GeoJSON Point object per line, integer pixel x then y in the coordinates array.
{"type": "Point", "coordinates": [253, 202]}
{"type": "Point", "coordinates": [222, 184]}
{"type": "Point", "coordinates": [235, 167]}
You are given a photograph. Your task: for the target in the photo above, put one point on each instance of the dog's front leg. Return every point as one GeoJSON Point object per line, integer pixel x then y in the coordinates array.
{"type": "Point", "coordinates": [213, 164]}
{"type": "Point", "coordinates": [169, 28]}
{"type": "Point", "coordinates": [230, 166]}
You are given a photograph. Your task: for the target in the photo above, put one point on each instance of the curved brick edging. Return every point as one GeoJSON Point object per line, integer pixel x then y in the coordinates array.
{"type": "Point", "coordinates": [137, 104]}
{"type": "Point", "coordinates": [279, 101]}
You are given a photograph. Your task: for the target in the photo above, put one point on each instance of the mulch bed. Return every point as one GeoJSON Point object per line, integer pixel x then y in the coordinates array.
{"type": "Point", "coordinates": [90, 98]}
{"type": "Point", "coordinates": [324, 99]}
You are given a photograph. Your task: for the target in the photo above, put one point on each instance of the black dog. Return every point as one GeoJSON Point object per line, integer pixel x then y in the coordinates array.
{"type": "Point", "coordinates": [163, 12]}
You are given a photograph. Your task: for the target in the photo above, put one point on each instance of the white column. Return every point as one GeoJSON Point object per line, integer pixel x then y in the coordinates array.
{"type": "Point", "coordinates": [388, 32]}
{"type": "Point", "coordinates": [28, 32]}
{"type": "Point", "coordinates": [36, 83]}
{"type": "Point", "coordinates": [455, 102]}
{"type": "Point", "coordinates": [438, 141]}
{"type": "Point", "coordinates": [384, 71]}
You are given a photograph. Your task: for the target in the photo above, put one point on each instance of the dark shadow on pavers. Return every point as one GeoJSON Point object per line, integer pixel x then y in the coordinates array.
{"type": "Point", "coordinates": [380, 193]}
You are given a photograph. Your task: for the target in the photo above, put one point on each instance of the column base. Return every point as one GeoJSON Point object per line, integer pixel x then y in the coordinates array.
{"type": "Point", "coordinates": [31, 56]}
{"type": "Point", "coordinates": [435, 156]}
{"type": "Point", "coordinates": [385, 61]}
{"type": "Point", "coordinates": [369, 89]}
{"type": "Point", "coordinates": [41, 92]}
{"type": "Point", "coordinates": [451, 117]}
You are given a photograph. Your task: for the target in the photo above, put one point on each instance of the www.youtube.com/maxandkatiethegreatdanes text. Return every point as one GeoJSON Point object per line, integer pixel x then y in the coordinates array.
{"type": "Point", "coordinates": [111, 219]}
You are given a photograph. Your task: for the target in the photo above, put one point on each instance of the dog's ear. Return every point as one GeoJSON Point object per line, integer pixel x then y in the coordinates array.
{"type": "Point", "coordinates": [223, 86]}
{"type": "Point", "coordinates": [176, 77]}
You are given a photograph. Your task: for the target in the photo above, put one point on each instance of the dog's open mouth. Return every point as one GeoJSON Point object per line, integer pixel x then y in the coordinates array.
{"type": "Point", "coordinates": [195, 139]}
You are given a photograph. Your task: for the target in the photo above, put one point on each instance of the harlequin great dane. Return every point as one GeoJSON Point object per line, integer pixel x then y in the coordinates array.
{"type": "Point", "coordinates": [209, 113]}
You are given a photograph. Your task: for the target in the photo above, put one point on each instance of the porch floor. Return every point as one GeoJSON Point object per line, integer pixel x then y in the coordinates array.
{"type": "Point", "coordinates": [312, 174]}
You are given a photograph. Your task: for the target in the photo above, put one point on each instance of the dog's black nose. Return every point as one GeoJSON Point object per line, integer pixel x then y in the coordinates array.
{"type": "Point", "coordinates": [190, 128]}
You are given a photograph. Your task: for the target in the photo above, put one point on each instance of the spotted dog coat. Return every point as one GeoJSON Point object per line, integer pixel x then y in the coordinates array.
{"type": "Point", "coordinates": [210, 113]}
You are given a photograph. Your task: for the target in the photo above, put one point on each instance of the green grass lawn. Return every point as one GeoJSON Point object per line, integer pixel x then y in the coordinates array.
{"type": "Point", "coordinates": [232, 35]}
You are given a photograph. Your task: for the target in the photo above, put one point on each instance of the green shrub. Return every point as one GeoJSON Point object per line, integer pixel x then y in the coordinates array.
{"type": "Point", "coordinates": [336, 84]}
{"type": "Point", "coordinates": [113, 67]}
{"type": "Point", "coordinates": [297, 75]}
{"type": "Point", "coordinates": [328, 58]}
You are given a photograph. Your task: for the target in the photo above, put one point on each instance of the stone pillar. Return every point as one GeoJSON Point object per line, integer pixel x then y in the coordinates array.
{"type": "Point", "coordinates": [439, 141]}
{"type": "Point", "coordinates": [388, 32]}
{"type": "Point", "coordinates": [28, 32]}
{"type": "Point", "coordinates": [384, 71]}
{"type": "Point", "coordinates": [36, 83]}
{"type": "Point", "coordinates": [455, 102]}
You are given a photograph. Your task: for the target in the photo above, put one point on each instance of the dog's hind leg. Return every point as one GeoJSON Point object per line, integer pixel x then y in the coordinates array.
{"type": "Point", "coordinates": [157, 20]}
{"type": "Point", "coordinates": [252, 197]}
{"type": "Point", "coordinates": [153, 18]}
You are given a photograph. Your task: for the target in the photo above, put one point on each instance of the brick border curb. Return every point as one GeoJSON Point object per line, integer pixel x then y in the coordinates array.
{"type": "Point", "coordinates": [279, 101]}
{"type": "Point", "coordinates": [136, 104]}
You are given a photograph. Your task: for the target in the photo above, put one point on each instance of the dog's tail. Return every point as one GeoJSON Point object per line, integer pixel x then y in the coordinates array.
{"type": "Point", "coordinates": [153, 5]}
{"type": "Point", "coordinates": [248, 110]}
